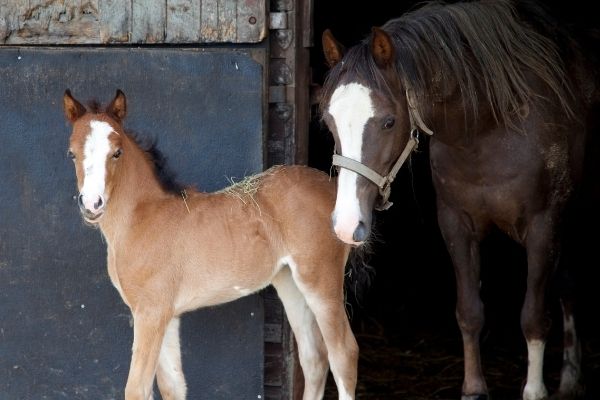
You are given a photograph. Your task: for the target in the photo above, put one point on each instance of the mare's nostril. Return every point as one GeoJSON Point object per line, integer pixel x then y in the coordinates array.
{"type": "Point", "coordinates": [80, 201]}
{"type": "Point", "coordinates": [360, 233]}
{"type": "Point", "coordinates": [99, 203]}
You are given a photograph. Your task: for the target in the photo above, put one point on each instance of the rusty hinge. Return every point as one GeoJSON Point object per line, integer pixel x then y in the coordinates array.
{"type": "Point", "coordinates": [278, 20]}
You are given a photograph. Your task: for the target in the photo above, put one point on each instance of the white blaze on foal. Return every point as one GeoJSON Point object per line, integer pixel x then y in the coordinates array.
{"type": "Point", "coordinates": [95, 151]}
{"type": "Point", "coordinates": [351, 108]}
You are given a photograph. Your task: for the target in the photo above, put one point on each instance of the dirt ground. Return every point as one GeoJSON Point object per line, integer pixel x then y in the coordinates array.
{"type": "Point", "coordinates": [410, 343]}
{"type": "Point", "coordinates": [429, 366]}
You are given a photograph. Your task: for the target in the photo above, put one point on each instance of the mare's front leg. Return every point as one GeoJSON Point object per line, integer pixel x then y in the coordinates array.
{"type": "Point", "coordinates": [149, 324]}
{"type": "Point", "coordinates": [542, 258]}
{"type": "Point", "coordinates": [169, 375]}
{"type": "Point", "coordinates": [463, 242]}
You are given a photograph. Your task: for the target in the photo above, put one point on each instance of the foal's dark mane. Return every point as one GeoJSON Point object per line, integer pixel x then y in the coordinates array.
{"type": "Point", "coordinates": [166, 177]}
{"type": "Point", "coordinates": [486, 47]}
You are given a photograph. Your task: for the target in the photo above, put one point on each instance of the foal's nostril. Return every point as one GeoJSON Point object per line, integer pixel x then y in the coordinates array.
{"type": "Point", "coordinates": [99, 203]}
{"type": "Point", "coordinates": [360, 233]}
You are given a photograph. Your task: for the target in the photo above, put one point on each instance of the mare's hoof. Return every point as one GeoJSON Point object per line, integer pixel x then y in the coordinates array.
{"type": "Point", "coordinates": [577, 394]}
{"type": "Point", "coordinates": [475, 397]}
{"type": "Point", "coordinates": [574, 391]}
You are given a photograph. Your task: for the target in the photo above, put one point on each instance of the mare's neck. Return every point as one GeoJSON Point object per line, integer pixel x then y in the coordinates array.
{"type": "Point", "coordinates": [455, 126]}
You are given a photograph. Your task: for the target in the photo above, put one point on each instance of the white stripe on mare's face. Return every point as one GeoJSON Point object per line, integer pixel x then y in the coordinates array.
{"type": "Point", "coordinates": [95, 152]}
{"type": "Point", "coordinates": [351, 108]}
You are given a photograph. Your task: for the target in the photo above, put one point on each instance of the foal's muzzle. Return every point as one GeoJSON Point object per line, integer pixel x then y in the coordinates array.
{"type": "Point", "coordinates": [91, 210]}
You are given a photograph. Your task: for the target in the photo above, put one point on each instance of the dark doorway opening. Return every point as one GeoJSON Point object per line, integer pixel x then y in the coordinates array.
{"type": "Point", "coordinates": [410, 343]}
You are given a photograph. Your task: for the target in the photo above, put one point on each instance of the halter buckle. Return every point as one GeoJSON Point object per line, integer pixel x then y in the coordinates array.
{"type": "Point", "coordinates": [415, 133]}
{"type": "Point", "coordinates": [384, 191]}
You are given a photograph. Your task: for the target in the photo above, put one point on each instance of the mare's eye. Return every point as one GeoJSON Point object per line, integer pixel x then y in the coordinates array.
{"type": "Point", "coordinates": [117, 153]}
{"type": "Point", "coordinates": [71, 155]}
{"type": "Point", "coordinates": [389, 123]}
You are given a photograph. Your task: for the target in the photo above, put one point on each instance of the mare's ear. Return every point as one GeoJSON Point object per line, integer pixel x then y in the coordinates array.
{"type": "Point", "coordinates": [118, 107]}
{"type": "Point", "coordinates": [382, 48]}
{"type": "Point", "coordinates": [73, 109]}
{"type": "Point", "coordinates": [334, 51]}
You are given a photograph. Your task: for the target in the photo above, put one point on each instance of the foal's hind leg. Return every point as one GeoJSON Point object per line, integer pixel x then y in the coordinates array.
{"type": "Point", "coordinates": [169, 374]}
{"type": "Point", "coordinates": [463, 245]}
{"type": "Point", "coordinates": [322, 288]}
{"type": "Point", "coordinates": [311, 348]}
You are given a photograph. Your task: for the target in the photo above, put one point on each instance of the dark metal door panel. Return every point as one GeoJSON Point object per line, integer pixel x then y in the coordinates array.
{"type": "Point", "coordinates": [64, 331]}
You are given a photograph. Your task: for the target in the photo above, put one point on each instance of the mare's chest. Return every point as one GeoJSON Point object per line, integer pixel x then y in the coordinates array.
{"type": "Point", "coordinates": [499, 178]}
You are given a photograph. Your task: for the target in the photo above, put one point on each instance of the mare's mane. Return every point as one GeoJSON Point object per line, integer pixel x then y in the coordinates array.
{"type": "Point", "coordinates": [487, 48]}
{"type": "Point", "coordinates": [166, 177]}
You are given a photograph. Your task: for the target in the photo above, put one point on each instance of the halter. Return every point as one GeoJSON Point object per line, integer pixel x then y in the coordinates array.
{"type": "Point", "coordinates": [384, 183]}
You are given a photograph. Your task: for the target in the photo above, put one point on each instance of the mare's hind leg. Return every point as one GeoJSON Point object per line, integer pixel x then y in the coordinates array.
{"type": "Point", "coordinates": [311, 348]}
{"type": "Point", "coordinates": [322, 288]}
{"type": "Point", "coordinates": [169, 374]}
{"type": "Point", "coordinates": [571, 386]}
{"type": "Point", "coordinates": [462, 242]}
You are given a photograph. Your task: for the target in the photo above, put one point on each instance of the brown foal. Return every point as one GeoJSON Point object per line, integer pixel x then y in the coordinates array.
{"type": "Point", "coordinates": [169, 254]}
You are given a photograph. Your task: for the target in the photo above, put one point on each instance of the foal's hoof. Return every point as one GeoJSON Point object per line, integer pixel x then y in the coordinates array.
{"type": "Point", "coordinates": [475, 397]}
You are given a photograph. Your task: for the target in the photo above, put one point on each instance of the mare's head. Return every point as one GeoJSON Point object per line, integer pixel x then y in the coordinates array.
{"type": "Point", "coordinates": [438, 64]}
{"type": "Point", "coordinates": [365, 106]}
{"type": "Point", "coordinates": [95, 147]}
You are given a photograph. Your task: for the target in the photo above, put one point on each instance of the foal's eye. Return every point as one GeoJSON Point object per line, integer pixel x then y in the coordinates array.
{"type": "Point", "coordinates": [71, 155]}
{"type": "Point", "coordinates": [117, 153]}
{"type": "Point", "coordinates": [389, 123]}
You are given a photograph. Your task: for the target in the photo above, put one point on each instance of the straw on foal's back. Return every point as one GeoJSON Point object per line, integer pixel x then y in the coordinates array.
{"type": "Point", "coordinates": [168, 253]}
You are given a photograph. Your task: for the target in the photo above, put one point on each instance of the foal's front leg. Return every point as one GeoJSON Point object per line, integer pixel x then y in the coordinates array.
{"type": "Point", "coordinates": [148, 331]}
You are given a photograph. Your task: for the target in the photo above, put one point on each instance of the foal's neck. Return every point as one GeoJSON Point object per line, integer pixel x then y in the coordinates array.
{"type": "Point", "coordinates": [134, 183]}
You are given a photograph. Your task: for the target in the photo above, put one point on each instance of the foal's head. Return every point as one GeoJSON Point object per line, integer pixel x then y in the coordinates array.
{"type": "Point", "coordinates": [365, 107]}
{"type": "Point", "coordinates": [95, 147]}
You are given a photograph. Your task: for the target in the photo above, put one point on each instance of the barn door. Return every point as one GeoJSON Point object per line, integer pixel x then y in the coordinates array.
{"type": "Point", "coordinates": [233, 77]}
{"type": "Point", "coordinates": [64, 331]}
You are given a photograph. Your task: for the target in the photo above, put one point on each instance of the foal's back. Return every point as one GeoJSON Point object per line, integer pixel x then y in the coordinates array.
{"type": "Point", "coordinates": [233, 242]}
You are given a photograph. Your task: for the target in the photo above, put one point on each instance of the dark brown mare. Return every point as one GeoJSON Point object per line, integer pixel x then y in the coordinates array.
{"type": "Point", "coordinates": [505, 95]}
{"type": "Point", "coordinates": [169, 254]}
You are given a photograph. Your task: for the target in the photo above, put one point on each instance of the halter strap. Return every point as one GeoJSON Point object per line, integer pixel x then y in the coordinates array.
{"type": "Point", "coordinates": [384, 182]}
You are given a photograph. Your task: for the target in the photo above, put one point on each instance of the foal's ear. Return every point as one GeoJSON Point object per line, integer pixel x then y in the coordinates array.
{"type": "Point", "coordinates": [73, 109]}
{"type": "Point", "coordinates": [382, 47]}
{"type": "Point", "coordinates": [334, 50]}
{"type": "Point", "coordinates": [118, 107]}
